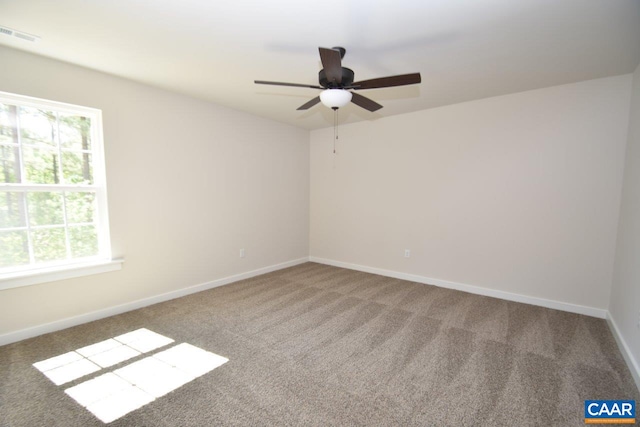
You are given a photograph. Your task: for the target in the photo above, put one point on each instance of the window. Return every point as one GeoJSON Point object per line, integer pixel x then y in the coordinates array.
{"type": "Point", "coordinates": [53, 201]}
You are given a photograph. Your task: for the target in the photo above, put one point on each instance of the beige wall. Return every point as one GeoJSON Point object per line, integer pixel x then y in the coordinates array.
{"type": "Point", "coordinates": [625, 296]}
{"type": "Point", "coordinates": [189, 184]}
{"type": "Point", "coordinates": [518, 193]}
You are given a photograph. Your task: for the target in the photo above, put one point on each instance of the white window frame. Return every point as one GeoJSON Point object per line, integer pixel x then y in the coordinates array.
{"type": "Point", "coordinates": [31, 274]}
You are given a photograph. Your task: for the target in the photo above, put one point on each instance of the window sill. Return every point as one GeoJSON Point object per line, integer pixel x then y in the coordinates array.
{"type": "Point", "coordinates": [52, 274]}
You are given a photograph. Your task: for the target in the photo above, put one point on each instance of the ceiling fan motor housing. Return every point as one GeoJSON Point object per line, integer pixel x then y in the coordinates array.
{"type": "Point", "coordinates": [347, 79]}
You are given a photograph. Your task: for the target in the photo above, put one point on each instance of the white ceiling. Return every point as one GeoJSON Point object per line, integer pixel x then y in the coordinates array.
{"type": "Point", "coordinates": [464, 49]}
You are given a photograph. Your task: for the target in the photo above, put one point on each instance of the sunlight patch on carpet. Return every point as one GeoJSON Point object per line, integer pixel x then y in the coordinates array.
{"type": "Point", "coordinates": [115, 394]}
{"type": "Point", "coordinates": [87, 360]}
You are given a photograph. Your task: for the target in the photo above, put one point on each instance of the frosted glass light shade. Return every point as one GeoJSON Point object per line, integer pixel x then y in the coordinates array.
{"type": "Point", "coordinates": [335, 98]}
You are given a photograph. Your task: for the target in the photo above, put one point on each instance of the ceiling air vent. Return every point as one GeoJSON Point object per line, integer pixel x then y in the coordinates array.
{"type": "Point", "coordinates": [24, 36]}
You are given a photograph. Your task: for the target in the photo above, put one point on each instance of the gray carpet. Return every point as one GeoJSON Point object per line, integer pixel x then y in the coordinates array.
{"type": "Point", "coordinates": [319, 345]}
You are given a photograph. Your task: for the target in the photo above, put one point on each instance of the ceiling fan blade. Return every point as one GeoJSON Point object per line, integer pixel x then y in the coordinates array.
{"type": "Point", "coordinates": [364, 102]}
{"type": "Point", "coordinates": [399, 80]}
{"type": "Point", "coordinates": [309, 104]}
{"type": "Point", "coordinates": [262, 82]}
{"type": "Point", "coordinates": [332, 64]}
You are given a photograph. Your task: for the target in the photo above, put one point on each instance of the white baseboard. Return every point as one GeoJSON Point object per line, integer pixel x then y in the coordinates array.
{"type": "Point", "coordinates": [112, 311]}
{"type": "Point", "coordinates": [632, 363]}
{"type": "Point", "coordinates": [563, 306]}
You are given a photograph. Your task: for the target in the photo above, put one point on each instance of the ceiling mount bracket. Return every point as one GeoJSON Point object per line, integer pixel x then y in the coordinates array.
{"type": "Point", "coordinates": [342, 51]}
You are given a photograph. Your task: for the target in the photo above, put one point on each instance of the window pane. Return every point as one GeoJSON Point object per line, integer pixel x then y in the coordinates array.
{"type": "Point", "coordinates": [41, 165]}
{"type": "Point", "coordinates": [14, 249]}
{"type": "Point", "coordinates": [7, 123]}
{"type": "Point", "coordinates": [76, 167]}
{"type": "Point", "coordinates": [45, 208]}
{"type": "Point", "coordinates": [37, 126]}
{"type": "Point", "coordinates": [75, 132]}
{"type": "Point", "coordinates": [4, 115]}
{"type": "Point", "coordinates": [12, 209]}
{"type": "Point", "coordinates": [80, 207]}
{"type": "Point", "coordinates": [9, 166]}
{"type": "Point", "coordinates": [84, 241]}
{"type": "Point", "coordinates": [49, 244]}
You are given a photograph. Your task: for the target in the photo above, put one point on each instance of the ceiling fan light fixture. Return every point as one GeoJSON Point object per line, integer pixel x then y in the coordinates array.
{"type": "Point", "coordinates": [335, 98]}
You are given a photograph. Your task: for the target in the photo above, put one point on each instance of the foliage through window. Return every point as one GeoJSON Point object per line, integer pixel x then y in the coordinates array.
{"type": "Point", "coordinates": [52, 185]}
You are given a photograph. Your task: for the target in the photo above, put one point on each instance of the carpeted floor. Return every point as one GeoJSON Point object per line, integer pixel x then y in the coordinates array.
{"type": "Point", "coordinates": [319, 345]}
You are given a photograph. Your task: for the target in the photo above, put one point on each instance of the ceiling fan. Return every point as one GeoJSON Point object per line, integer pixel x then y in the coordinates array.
{"type": "Point", "coordinates": [337, 83]}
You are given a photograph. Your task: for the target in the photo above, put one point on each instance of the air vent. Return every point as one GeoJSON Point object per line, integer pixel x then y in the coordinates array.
{"type": "Point", "coordinates": [24, 36]}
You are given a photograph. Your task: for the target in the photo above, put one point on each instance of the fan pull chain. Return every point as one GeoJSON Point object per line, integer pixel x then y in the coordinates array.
{"type": "Point", "coordinates": [335, 129]}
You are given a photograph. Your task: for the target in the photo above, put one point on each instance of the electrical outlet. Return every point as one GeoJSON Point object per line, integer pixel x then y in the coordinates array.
{"type": "Point", "coordinates": [242, 253]}
{"type": "Point", "coordinates": [407, 253]}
